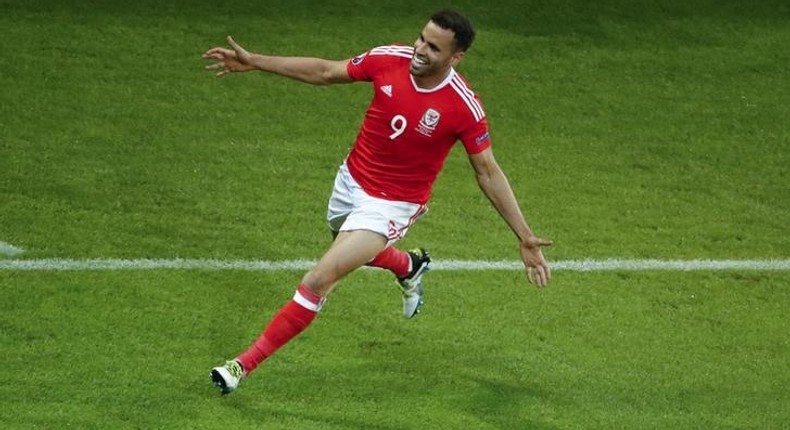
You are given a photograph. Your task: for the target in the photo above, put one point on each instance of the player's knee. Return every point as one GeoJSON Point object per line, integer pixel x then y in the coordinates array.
{"type": "Point", "coordinates": [319, 281]}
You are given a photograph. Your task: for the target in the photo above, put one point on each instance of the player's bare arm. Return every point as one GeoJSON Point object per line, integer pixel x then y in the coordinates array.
{"type": "Point", "coordinates": [316, 71]}
{"type": "Point", "coordinates": [495, 186]}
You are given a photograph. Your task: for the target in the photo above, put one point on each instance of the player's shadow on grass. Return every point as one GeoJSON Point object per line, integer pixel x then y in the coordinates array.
{"type": "Point", "coordinates": [503, 404]}
{"type": "Point", "coordinates": [262, 414]}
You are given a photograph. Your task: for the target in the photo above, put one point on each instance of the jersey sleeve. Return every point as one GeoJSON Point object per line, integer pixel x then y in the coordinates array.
{"type": "Point", "coordinates": [366, 66]}
{"type": "Point", "coordinates": [476, 137]}
{"type": "Point", "coordinates": [358, 68]}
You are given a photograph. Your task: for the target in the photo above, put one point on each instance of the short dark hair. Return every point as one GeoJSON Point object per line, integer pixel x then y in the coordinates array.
{"type": "Point", "coordinates": [450, 19]}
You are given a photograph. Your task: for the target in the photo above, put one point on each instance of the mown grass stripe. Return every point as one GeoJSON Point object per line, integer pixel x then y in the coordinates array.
{"type": "Point", "coordinates": [458, 265]}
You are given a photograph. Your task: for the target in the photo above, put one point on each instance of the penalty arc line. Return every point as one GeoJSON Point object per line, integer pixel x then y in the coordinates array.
{"type": "Point", "coordinates": [450, 265]}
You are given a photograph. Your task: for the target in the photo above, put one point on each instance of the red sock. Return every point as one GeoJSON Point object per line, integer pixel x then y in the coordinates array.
{"type": "Point", "coordinates": [393, 259]}
{"type": "Point", "coordinates": [289, 321]}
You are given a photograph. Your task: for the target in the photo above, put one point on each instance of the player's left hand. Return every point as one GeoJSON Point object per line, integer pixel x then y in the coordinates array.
{"type": "Point", "coordinates": [236, 59]}
{"type": "Point", "coordinates": [538, 270]}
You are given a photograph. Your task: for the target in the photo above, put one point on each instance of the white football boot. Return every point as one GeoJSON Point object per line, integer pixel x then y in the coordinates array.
{"type": "Point", "coordinates": [227, 376]}
{"type": "Point", "coordinates": [411, 285]}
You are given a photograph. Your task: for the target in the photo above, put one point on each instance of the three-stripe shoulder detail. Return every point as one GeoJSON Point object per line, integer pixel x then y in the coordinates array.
{"type": "Point", "coordinates": [393, 50]}
{"type": "Point", "coordinates": [468, 96]}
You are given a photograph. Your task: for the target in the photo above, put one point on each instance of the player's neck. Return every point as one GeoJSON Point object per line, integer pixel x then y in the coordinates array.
{"type": "Point", "coordinates": [432, 81]}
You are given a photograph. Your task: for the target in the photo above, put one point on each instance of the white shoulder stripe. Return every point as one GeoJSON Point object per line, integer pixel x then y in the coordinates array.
{"type": "Point", "coordinates": [395, 50]}
{"type": "Point", "coordinates": [393, 47]}
{"type": "Point", "coordinates": [468, 97]}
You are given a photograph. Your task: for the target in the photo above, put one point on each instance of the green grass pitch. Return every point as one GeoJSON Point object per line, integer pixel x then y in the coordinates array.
{"type": "Point", "coordinates": [629, 129]}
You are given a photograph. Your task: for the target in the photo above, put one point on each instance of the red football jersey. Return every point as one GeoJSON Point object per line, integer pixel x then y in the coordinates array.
{"type": "Point", "coordinates": [408, 131]}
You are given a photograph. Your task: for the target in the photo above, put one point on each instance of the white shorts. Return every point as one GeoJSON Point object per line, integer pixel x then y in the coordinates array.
{"type": "Point", "coordinates": [351, 208]}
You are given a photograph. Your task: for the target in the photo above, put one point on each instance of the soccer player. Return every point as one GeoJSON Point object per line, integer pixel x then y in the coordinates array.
{"type": "Point", "coordinates": [421, 107]}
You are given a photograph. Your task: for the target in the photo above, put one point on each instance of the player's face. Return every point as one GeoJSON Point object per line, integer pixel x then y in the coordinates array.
{"type": "Point", "coordinates": [433, 52]}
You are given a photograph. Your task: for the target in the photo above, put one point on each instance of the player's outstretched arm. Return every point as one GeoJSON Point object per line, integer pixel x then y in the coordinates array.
{"type": "Point", "coordinates": [495, 186]}
{"type": "Point", "coordinates": [316, 71]}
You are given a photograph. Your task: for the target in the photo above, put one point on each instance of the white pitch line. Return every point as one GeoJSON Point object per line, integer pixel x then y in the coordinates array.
{"type": "Point", "coordinates": [456, 265]}
{"type": "Point", "coordinates": [10, 250]}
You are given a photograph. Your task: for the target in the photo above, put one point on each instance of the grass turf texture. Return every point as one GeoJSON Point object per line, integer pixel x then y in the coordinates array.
{"type": "Point", "coordinates": [628, 129]}
{"type": "Point", "coordinates": [130, 349]}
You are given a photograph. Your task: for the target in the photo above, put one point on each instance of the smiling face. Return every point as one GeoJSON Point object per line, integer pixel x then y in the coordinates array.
{"type": "Point", "coordinates": [434, 55]}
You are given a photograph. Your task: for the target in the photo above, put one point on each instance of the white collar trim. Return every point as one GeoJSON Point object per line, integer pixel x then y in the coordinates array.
{"type": "Point", "coordinates": [441, 85]}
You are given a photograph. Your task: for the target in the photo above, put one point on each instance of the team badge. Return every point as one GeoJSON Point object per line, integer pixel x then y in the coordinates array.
{"type": "Point", "coordinates": [429, 121]}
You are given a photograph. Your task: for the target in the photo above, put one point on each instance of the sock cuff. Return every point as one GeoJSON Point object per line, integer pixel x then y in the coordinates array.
{"type": "Point", "coordinates": [307, 299]}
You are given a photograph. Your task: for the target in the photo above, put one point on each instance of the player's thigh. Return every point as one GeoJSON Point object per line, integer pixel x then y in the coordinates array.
{"type": "Point", "coordinates": [349, 251]}
{"type": "Point", "coordinates": [341, 201]}
{"type": "Point", "coordinates": [391, 219]}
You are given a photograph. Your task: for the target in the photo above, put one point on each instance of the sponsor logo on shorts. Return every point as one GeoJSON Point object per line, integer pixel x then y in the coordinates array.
{"type": "Point", "coordinates": [482, 138]}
